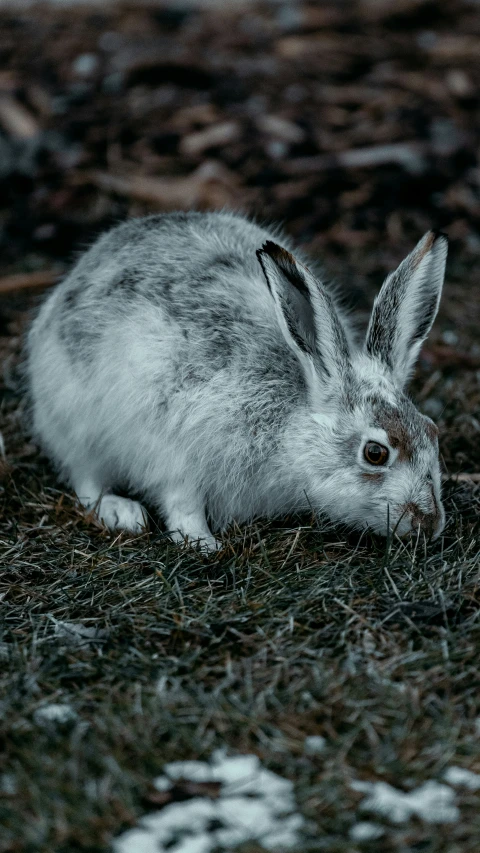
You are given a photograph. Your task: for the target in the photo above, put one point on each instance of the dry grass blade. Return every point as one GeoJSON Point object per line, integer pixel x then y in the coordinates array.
{"type": "Point", "coordinates": [462, 478]}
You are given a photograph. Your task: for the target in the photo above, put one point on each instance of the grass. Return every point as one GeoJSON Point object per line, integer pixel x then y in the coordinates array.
{"type": "Point", "coordinates": [289, 631]}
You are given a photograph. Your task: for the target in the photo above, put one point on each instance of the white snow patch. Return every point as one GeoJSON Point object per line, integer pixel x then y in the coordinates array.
{"type": "Point", "coordinates": [431, 802]}
{"type": "Point", "coordinates": [54, 713]}
{"type": "Point", "coordinates": [366, 831]}
{"type": "Point", "coordinates": [314, 744]}
{"type": "Point", "coordinates": [254, 805]}
{"type": "Point", "coordinates": [460, 776]}
{"type": "Point", "coordinates": [77, 633]}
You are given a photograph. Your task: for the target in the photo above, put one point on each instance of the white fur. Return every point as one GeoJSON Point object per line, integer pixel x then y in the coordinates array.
{"type": "Point", "coordinates": [162, 365]}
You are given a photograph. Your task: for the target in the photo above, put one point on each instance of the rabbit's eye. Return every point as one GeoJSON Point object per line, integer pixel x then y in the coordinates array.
{"type": "Point", "coordinates": [375, 453]}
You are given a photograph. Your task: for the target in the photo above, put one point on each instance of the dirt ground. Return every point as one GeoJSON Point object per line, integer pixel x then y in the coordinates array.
{"type": "Point", "coordinates": [357, 125]}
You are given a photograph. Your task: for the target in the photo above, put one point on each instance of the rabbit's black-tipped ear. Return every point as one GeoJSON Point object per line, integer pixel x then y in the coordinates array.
{"type": "Point", "coordinates": [404, 310]}
{"type": "Point", "coordinates": [305, 311]}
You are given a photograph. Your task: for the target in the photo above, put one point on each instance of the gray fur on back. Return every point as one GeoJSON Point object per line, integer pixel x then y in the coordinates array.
{"type": "Point", "coordinates": [178, 262]}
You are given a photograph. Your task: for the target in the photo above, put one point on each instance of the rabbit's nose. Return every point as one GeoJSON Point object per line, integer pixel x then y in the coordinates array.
{"type": "Point", "coordinates": [426, 512]}
{"type": "Point", "coordinates": [426, 523]}
{"type": "Point", "coordinates": [430, 523]}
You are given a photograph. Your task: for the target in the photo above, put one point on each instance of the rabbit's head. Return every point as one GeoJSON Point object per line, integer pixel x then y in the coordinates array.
{"type": "Point", "coordinates": [367, 456]}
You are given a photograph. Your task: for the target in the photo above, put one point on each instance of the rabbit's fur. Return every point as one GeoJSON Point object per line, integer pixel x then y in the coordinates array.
{"type": "Point", "coordinates": [183, 362]}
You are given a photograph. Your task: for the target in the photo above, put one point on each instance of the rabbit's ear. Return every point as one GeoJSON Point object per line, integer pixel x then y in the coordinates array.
{"type": "Point", "coordinates": [404, 310]}
{"type": "Point", "coordinates": [305, 311]}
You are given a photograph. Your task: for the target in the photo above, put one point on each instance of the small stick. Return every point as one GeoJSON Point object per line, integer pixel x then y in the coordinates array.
{"type": "Point", "coordinates": [410, 155]}
{"type": "Point", "coordinates": [462, 478]}
{"type": "Point", "coordinates": [16, 119]}
{"type": "Point", "coordinates": [30, 280]}
{"type": "Point", "coordinates": [182, 191]}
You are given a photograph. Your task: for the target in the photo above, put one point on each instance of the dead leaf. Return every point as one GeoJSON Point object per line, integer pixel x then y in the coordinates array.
{"type": "Point", "coordinates": [16, 119]}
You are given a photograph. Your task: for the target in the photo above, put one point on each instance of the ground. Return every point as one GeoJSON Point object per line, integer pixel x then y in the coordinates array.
{"type": "Point", "coordinates": [290, 630]}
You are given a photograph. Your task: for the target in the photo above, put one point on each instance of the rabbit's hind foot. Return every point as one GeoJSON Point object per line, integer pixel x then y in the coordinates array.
{"type": "Point", "coordinates": [113, 511]}
{"type": "Point", "coordinates": [122, 514]}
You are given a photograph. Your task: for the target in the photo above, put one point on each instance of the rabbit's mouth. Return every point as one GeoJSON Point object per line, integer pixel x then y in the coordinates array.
{"type": "Point", "coordinates": [414, 520]}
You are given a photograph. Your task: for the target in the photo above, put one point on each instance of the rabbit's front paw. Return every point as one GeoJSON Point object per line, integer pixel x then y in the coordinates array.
{"type": "Point", "coordinates": [122, 514]}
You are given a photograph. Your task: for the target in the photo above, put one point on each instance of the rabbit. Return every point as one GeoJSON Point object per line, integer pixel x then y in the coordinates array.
{"type": "Point", "coordinates": [191, 359]}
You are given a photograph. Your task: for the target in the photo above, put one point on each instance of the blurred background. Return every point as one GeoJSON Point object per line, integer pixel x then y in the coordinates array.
{"type": "Point", "coordinates": [355, 123]}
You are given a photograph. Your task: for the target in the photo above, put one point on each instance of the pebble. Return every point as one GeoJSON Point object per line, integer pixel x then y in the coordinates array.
{"type": "Point", "coordinates": [85, 64]}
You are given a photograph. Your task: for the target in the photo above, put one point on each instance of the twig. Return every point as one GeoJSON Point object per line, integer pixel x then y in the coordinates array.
{"type": "Point", "coordinates": [410, 155]}
{"type": "Point", "coordinates": [462, 478]}
{"type": "Point", "coordinates": [168, 192]}
{"type": "Point", "coordinates": [16, 119]}
{"type": "Point", "coordinates": [27, 281]}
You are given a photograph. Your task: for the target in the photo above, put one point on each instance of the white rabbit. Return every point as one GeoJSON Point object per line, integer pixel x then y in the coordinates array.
{"type": "Point", "coordinates": [218, 379]}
